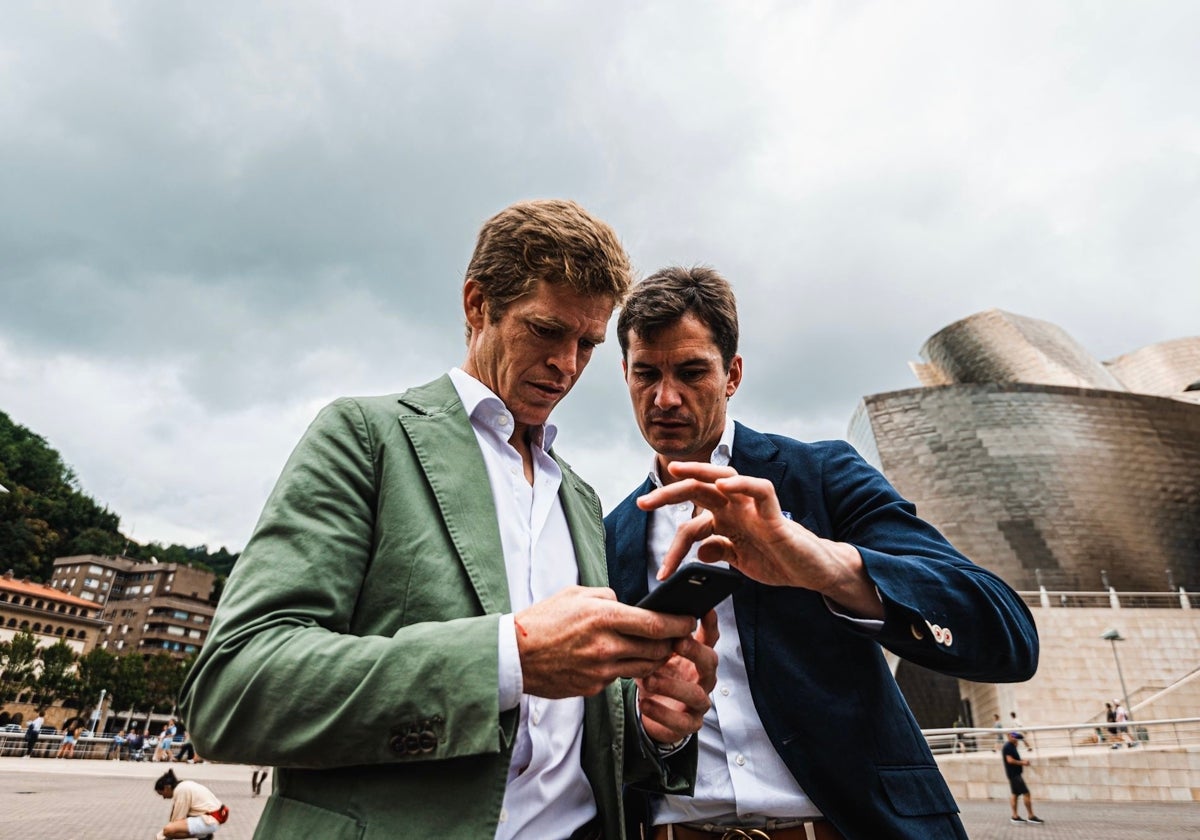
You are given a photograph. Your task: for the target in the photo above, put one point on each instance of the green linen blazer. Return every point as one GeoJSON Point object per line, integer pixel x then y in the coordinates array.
{"type": "Point", "coordinates": [355, 645]}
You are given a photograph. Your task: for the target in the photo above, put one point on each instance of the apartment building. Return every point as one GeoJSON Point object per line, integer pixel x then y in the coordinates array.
{"type": "Point", "coordinates": [149, 606]}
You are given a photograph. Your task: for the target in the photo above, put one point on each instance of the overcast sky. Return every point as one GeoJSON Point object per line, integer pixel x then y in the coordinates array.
{"type": "Point", "coordinates": [217, 217]}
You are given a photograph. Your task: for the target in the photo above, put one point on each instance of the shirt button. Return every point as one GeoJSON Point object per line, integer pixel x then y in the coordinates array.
{"type": "Point", "coordinates": [512, 470]}
{"type": "Point", "coordinates": [502, 420]}
{"type": "Point", "coordinates": [503, 815]}
{"type": "Point", "coordinates": [740, 760]}
{"type": "Point", "coordinates": [725, 690]}
{"type": "Point", "coordinates": [536, 717]}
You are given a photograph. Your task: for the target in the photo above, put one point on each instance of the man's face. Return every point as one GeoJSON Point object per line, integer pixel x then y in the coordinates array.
{"type": "Point", "coordinates": [679, 389]}
{"type": "Point", "coordinates": [536, 352]}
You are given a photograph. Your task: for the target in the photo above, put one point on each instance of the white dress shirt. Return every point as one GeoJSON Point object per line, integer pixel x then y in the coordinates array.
{"type": "Point", "coordinates": [739, 777]}
{"type": "Point", "coordinates": [547, 795]}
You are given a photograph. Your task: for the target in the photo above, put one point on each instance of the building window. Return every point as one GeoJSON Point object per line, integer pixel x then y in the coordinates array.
{"type": "Point", "coordinates": [95, 570]}
{"type": "Point", "coordinates": [174, 631]}
{"type": "Point", "coordinates": [179, 614]}
{"type": "Point", "coordinates": [91, 583]}
{"type": "Point", "coordinates": [88, 596]}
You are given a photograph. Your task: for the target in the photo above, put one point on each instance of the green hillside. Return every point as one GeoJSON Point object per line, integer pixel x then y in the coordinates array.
{"type": "Point", "coordinates": [45, 514]}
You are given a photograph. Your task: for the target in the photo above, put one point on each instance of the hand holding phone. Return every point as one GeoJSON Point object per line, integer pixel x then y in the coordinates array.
{"type": "Point", "coordinates": [694, 589]}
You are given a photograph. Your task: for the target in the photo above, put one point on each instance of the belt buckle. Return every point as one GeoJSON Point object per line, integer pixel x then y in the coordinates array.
{"type": "Point", "coordinates": [745, 834]}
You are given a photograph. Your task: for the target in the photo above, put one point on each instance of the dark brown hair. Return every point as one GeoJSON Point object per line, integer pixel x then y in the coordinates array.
{"type": "Point", "coordinates": [669, 294]}
{"type": "Point", "coordinates": [165, 780]}
{"type": "Point", "coordinates": [552, 240]}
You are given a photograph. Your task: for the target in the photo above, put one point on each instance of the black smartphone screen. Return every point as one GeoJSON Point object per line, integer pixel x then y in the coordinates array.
{"type": "Point", "coordinates": [693, 590]}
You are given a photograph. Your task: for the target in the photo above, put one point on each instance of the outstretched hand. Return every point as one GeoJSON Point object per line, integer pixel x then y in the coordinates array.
{"type": "Point", "coordinates": [739, 520]}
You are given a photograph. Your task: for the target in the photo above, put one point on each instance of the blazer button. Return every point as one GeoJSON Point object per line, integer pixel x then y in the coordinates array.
{"type": "Point", "coordinates": [397, 745]}
{"type": "Point", "coordinates": [412, 742]}
{"type": "Point", "coordinates": [917, 634]}
{"type": "Point", "coordinates": [428, 741]}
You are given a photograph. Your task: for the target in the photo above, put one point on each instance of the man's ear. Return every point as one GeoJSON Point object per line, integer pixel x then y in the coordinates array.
{"type": "Point", "coordinates": [735, 376]}
{"type": "Point", "coordinates": [624, 369]}
{"type": "Point", "coordinates": [474, 304]}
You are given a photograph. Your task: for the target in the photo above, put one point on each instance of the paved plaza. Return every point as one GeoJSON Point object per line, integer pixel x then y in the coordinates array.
{"type": "Point", "coordinates": [49, 799]}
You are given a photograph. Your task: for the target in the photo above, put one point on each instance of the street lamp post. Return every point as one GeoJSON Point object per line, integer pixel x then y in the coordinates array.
{"type": "Point", "coordinates": [1111, 635]}
{"type": "Point", "coordinates": [96, 712]}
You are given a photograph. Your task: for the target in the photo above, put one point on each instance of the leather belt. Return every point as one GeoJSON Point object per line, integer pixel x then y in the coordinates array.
{"type": "Point", "coordinates": [813, 830]}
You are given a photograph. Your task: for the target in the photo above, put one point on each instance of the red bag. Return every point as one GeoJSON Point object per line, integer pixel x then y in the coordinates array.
{"type": "Point", "coordinates": [220, 815]}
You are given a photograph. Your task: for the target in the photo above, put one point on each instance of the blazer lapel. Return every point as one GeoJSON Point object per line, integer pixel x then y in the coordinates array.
{"type": "Point", "coordinates": [448, 452]}
{"type": "Point", "coordinates": [582, 510]}
{"type": "Point", "coordinates": [630, 565]}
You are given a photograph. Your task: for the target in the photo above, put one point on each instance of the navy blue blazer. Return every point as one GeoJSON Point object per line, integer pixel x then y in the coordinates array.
{"type": "Point", "coordinates": [821, 686]}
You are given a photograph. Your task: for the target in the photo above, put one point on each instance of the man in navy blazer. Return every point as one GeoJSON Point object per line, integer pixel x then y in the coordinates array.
{"type": "Point", "coordinates": [809, 735]}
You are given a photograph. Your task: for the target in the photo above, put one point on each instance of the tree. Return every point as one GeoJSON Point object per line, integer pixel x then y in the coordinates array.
{"type": "Point", "coordinates": [129, 682]}
{"type": "Point", "coordinates": [164, 678]}
{"type": "Point", "coordinates": [96, 672]}
{"type": "Point", "coordinates": [57, 678]}
{"type": "Point", "coordinates": [19, 660]}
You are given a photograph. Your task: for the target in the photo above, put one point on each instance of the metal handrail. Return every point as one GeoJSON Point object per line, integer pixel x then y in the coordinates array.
{"type": "Point", "coordinates": [1069, 738]}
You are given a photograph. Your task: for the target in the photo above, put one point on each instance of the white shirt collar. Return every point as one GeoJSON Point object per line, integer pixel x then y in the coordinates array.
{"type": "Point", "coordinates": [722, 453]}
{"type": "Point", "coordinates": [487, 411]}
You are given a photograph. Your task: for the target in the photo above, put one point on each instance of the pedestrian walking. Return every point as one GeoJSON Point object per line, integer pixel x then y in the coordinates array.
{"type": "Point", "coordinates": [1014, 766]}
{"type": "Point", "coordinates": [195, 810]}
{"type": "Point", "coordinates": [32, 732]}
{"type": "Point", "coordinates": [257, 777]}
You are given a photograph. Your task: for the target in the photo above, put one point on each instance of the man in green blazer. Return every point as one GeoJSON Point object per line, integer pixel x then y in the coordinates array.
{"type": "Point", "coordinates": [419, 635]}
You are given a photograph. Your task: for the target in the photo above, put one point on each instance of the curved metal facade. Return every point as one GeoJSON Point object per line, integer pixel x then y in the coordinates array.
{"type": "Point", "coordinates": [1040, 463]}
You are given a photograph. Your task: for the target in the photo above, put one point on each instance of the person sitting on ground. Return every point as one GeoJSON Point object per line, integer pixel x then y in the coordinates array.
{"type": "Point", "coordinates": [1122, 718]}
{"type": "Point", "coordinates": [195, 810]}
{"type": "Point", "coordinates": [186, 749]}
{"type": "Point", "coordinates": [134, 744]}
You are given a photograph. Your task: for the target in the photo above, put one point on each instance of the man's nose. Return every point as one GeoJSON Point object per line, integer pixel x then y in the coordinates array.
{"type": "Point", "coordinates": [565, 359]}
{"type": "Point", "coordinates": [666, 395]}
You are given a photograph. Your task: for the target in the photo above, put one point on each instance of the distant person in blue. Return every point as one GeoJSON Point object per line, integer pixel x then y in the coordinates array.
{"type": "Point", "coordinates": [162, 750]}
{"type": "Point", "coordinates": [1013, 767]}
{"type": "Point", "coordinates": [808, 732]}
{"type": "Point", "coordinates": [116, 745]}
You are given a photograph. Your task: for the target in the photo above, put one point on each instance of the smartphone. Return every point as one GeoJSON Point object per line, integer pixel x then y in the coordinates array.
{"type": "Point", "coordinates": [693, 590]}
